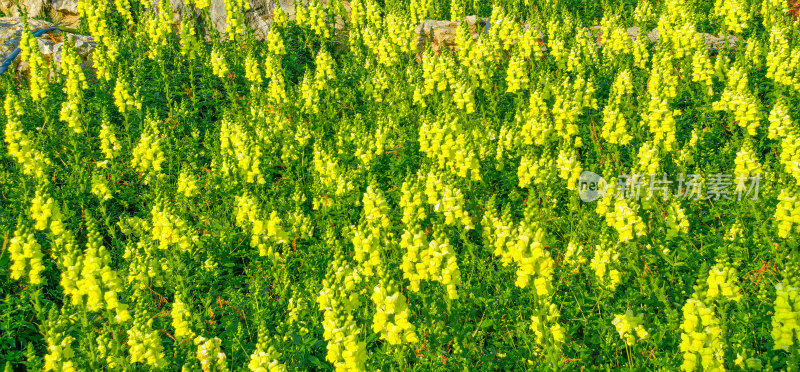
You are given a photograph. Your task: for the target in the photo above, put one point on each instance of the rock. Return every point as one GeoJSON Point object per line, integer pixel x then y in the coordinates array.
{"type": "Point", "coordinates": [65, 13]}
{"type": "Point", "coordinates": [50, 43]}
{"type": "Point", "coordinates": [443, 33]}
{"type": "Point", "coordinates": [33, 8]}
{"type": "Point", "coordinates": [258, 18]}
{"type": "Point", "coordinates": [62, 12]}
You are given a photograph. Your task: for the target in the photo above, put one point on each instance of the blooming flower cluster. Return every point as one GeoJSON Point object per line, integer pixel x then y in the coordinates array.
{"type": "Point", "coordinates": [734, 13]}
{"type": "Point", "coordinates": [605, 256]}
{"type": "Point", "coordinates": [447, 142]}
{"type": "Point", "coordinates": [787, 213]}
{"type": "Point", "coordinates": [169, 229]}
{"type": "Point", "coordinates": [239, 148]}
{"type": "Point", "coordinates": [89, 279]}
{"type": "Point", "coordinates": [433, 260]}
{"type": "Point", "coordinates": [234, 17]}
{"type": "Point", "coordinates": [313, 16]}
{"type": "Point", "coordinates": [615, 127]}
{"type": "Point", "coordinates": [629, 327]}
{"type": "Point", "coordinates": [786, 321]}
{"type": "Point", "coordinates": [125, 101]}
{"type": "Point", "coordinates": [145, 345]}
{"type": "Point", "coordinates": [701, 337]}
{"type": "Point", "coordinates": [181, 320]}
{"type": "Point", "coordinates": [73, 86]}
{"type": "Point", "coordinates": [373, 235]}
{"type": "Point", "coordinates": [46, 213]}
{"type": "Point", "coordinates": [265, 357]}
{"type": "Point", "coordinates": [20, 145]}
{"type": "Point", "coordinates": [210, 355]}
{"type": "Point", "coordinates": [547, 321]}
{"type": "Point", "coordinates": [218, 65]}
{"type": "Point", "coordinates": [723, 283]}
{"type": "Point", "coordinates": [738, 99]}
{"type": "Point", "coordinates": [264, 234]}
{"type": "Point", "coordinates": [338, 300]}
{"type": "Point", "coordinates": [392, 314]}
{"type": "Point", "coordinates": [26, 257]}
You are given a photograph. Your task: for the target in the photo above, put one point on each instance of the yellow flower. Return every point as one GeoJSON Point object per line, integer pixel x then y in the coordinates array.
{"type": "Point", "coordinates": [786, 321]}
{"type": "Point", "coordinates": [629, 327]}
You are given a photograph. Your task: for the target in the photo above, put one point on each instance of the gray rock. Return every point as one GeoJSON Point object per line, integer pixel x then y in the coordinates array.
{"type": "Point", "coordinates": [65, 13]}
{"type": "Point", "coordinates": [50, 43]}
{"type": "Point", "coordinates": [62, 12]}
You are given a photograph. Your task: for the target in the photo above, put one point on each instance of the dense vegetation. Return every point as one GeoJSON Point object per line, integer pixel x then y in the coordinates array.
{"type": "Point", "coordinates": [338, 198]}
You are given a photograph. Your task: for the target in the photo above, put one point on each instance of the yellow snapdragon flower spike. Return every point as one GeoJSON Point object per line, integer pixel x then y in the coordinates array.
{"type": "Point", "coordinates": [158, 27]}
{"type": "Point", "coordinates": [74, 85]}
{"type": "Point", "coordinates": [145, 344]}
{"type": "Point", "coordinates": [522, 245]}
{"type": "Point", "coordinates": [723, 282]}
{"type": "Point", "coordinates": [265, 357]}
{"type": "Point", "coordinates": [448, 143]}
{"type": "Point", "coordinates": [702, 70]}
{"type": "Point", "coordinates": [616, 42]}
{"type": "Point", "coordinates": [210, 355]}
{"type": "Point", "coordinates": [629, 327]}
{"type": "Point", "coordinates": [738, 99]}
{"type": "Point", "coordinates": [240, 149]}
{"type": "Point", "coordinates": [517, 74]}
{"type": "Point", "coordinates": [615, 126]}
{"type": "Point", "coordinates": [100, 188]}
{"type": "Point", "coordinates": [96, 13]}
{"type": "Point", "coordinates": [89, 280]}
{"type": "Point", "coordinates": [420, 10]}
{"type": "Point", "coordinates": [21, 147]}
{"type": "Point", "coordinates": [780, 123]}
{"type": "Point", "coordinates": [251, 71]}
{"type": "Point", "coordinates": [124, 8]}
{"type": "Point", "coordinates": [569, 167]}
{"type": "Point", "coordinates": [275, 40]}
{"type": "Point", "coordinates": [677, 222]}
{"type": "Point", "coordinates": [109, 144]}
{"type": "Point", "coordinates": [338, 299]}
{"type": "Point", "coordinates": [571, 98]}
{"type": "Point", "coordinates": [573, 256]}
{"type": "Point", "coordinates": [392, 315]}
{"type": "Point", "coordinates": [786, 321]}
{"type": "Point", "coordinates": [432, 260]}
{"type": "Point", "coordinates": [148, 155]}
{"type": "Point", "coordinates": [746, 162]}
{"type": "Point", "coordinates": [46, 213]}
{"type": "Point", "coordinates": [235, 16]}
{"type": "Point", "coordinates": [187, 184]}
{"type": "Point", "coordinates": [312, 15]}
{"type": "Point", "coordinates": [787, 214]}
{"type": "Point", "coordinates": [218, 66]}
{"type": "Point", "coordinates": [126, 101]}
{"type": "Point", "coordinates": [26, 257]}
{"type": "Point", "coordinates": [783, 61]}
{"type": "Point", "coordinates": [535, 124]}
{"type": "Point", "coordinates": [181, 317]}
{"type": "Point", "coordinates": [534, 172]}
{"type": "Point", "coordinates": [372, 236]}
{"type": "Point", "coordinates": [170, 230]}
{"type": "Point", "coordinates": [734, 13]}
{"type": "Point", "coordinates": [59, 353]}
{"type": "Point", "coordinates": [605, 256]}
{"type": "Point", "coordinates": [548, 321]}
{"type": "Point", "coordinates": [701, 341]}
{"type": "Point", "coordinates": [38, 69]}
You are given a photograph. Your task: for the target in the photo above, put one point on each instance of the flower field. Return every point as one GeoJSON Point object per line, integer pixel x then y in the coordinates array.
{"type": "Point", "coordinates": [533, 185]}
